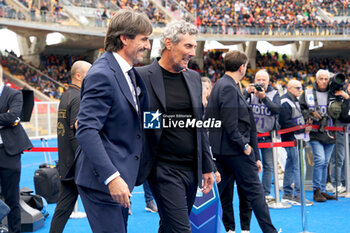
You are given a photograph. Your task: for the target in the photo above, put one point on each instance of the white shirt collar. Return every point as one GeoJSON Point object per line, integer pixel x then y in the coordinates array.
{"type": "Point", "coordinates": [124, 65]}
{"type": "Point", "coordinates": [2, 86]}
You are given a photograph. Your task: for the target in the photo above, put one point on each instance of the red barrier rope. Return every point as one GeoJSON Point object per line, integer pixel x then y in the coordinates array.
{"type": "Point", "coordinates": [299, 127]}
{"type": "Point", "coordinates": [330, 128]}
{"type": "Point", "coordinates": [261, 145]}
{"type": "Point", "coordinates": [276, 144]}
{"type": "Point", "coordinates": [43, 149]}
{"type": "Point", "coordinates": [266, 134]}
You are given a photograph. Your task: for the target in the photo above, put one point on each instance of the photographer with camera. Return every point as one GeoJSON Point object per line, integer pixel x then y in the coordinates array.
{"type": "Point", "coordinates": [266, 105]}
{"type": "Point", "coordinates": [337, 165]}
{"type": "Point", "coordinates": [315, 104]}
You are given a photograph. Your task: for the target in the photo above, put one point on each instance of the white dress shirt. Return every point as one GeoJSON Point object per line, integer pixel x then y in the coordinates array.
{"type": "Point", "coordinates": [124, 65]}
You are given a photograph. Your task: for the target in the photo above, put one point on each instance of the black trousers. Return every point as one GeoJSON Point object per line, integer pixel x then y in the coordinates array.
{"type": "Point", "coordinates": [67, 197]}
{"type": "Point", "coordinates": [174, 190]}
{"type": "Point", "coordinates": [9, 181]}
{"type": "Point", "coordinates": [245, 209]}
{"type": "Point", "coordinates": [245, 171]}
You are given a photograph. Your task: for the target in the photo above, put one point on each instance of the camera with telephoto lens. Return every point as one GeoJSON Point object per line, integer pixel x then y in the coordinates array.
{"type": "Point", "coordinates": [259, 87]}
{"type": "Point", "coordinates": [336, 83]}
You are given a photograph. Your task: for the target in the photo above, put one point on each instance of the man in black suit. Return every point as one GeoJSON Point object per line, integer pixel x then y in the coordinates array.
{"type": "Point", "coordinates": [13, 141]}
{"type": "Point", "coordinates": [67, 145]}
{"type": "Point", "coordinates": [235, 145]}
{"type": "Point", "coordinates": [178, 156]}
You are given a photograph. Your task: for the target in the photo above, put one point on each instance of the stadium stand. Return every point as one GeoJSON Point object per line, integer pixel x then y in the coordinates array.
{"type": "Point", "coordinates": [35, 78]}
{"type": "Point", "coordinates": [280, 67]}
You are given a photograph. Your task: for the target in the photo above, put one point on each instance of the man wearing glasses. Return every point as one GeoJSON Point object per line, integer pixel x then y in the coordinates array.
{"type": "Point", "coordinates": [291, 116]}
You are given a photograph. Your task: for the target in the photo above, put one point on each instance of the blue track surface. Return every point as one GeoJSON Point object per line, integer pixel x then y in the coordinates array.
{"type": "Point", "coordinates": [329, 217]}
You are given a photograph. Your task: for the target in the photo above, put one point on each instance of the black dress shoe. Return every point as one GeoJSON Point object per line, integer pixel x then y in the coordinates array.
{"type": "Point", "coordinates": [329, 197]}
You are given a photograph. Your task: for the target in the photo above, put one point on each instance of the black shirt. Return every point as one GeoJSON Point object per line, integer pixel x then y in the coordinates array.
{"type": "Point", "coordinates": [67, 115]}
{"type": "Point", "coordinates": [177, 145]}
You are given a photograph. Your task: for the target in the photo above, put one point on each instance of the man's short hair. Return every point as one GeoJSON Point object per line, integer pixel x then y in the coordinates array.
{"type": "Point", "coordinates": [234, 59]}
{"type": "Point", "coordinates": [321, 71]}
{"type": "Point", "coordinates": [128, 23]}
{"type": "Point", "coordinates": [263, 72]}
{"type": "Point", "coordinates": [175, 30]}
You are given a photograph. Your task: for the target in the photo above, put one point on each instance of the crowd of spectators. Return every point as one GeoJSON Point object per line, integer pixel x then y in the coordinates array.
{"type": "Point", "coordinates": [49, 78]}
{"type": "Point", "coordinates": [262, 17]}
{"type": "Point", "coordinates": [280, 67]}
{"type": "Point", "coordinates": [9, 12]}
{"type": "Point", "coordinates": [282, 17]}
{"type": "Point", "coordinates": [334, 7]}
{"type": "Point", "coordinates": [155, 15]}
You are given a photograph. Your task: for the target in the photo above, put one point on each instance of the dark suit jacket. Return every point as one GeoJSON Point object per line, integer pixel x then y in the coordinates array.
{"type": "Point", "coordinates": [226, 103]}
{"type": "Point", "coordinates": [14, 138]}
{"type": "Point", "coordinates": [109, 128]}
{"type": "Point", "coordinates": [153, 78]}
{"type": "Point", "coordinates": [66, 140]}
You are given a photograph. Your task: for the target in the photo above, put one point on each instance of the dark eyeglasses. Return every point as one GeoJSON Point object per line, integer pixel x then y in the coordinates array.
{"type": "Point", "coordinates": [298, 88]}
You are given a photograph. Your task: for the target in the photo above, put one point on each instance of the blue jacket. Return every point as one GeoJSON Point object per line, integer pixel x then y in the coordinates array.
{"type": "Point", "coordinates": [109, 127]}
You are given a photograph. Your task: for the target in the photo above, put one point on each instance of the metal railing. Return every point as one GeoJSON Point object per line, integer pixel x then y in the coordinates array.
{"type": "Point", "coordinates": [43, 122]}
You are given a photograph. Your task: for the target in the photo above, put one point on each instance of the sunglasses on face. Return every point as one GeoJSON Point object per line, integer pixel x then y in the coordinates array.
{"type": "Point", "coordinates": [298, 88]}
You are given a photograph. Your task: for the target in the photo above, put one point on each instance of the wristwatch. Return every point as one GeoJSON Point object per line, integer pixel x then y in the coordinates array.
{"type": "Point", "coordinates": [246, 146]}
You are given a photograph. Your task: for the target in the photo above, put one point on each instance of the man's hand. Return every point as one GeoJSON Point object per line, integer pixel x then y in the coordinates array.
{"type": "Point", "coordinates": [250, 88]}
{"type": "Point", "coordinates": [208, 181]}
{"type": "Point", "coordinates": [259, 164]}
{"type": "Point", "coordinates": [217, 177]}
{"type": "Point", "coordinates": [309, 128]}
{"type": "Point", "coordinates": [316, 115]}
{"type": "Point", "coordinates": [260, 94]}
{"type": "Point", "coordinates": [248, 151]}
{"type": "Point", "coordinates": [119, 191]}
{"type": "Point", "coordinates": [342, 94]}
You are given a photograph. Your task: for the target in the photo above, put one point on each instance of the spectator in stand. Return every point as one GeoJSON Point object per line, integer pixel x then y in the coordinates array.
{"type": "Point", "coordinates": [32, 13]}
{"type": "Point", "coordinates": [104, 17]}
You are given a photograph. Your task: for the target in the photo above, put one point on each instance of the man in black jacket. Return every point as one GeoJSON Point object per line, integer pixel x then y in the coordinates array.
{"type": "Point", "coordinates": [67, 145]}
{"type": "Point", "coordinates": [13, 141]}
{"type": "Point", "coordinates": [234, 145]}
{"type": "Point", "coordinates": [177, 158]}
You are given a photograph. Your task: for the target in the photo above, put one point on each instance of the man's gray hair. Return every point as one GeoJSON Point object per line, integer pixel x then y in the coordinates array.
{"type": "Point", "coordinates": [321, 71]}
{"type": "Point", "coordinates": [175, 30]}
{"type": "Point", "coordinates": [263, 72]}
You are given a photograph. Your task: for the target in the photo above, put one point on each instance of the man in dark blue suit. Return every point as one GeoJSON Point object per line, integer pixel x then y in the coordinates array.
{"type": "Point", "coordinates": [178, 156]}
{"type": "Point", "coordinates": [13, 141]}
{"type": "Point", "coordinates": [109, 124]}
{"type": "Point", "coordinates": [235, 145]}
